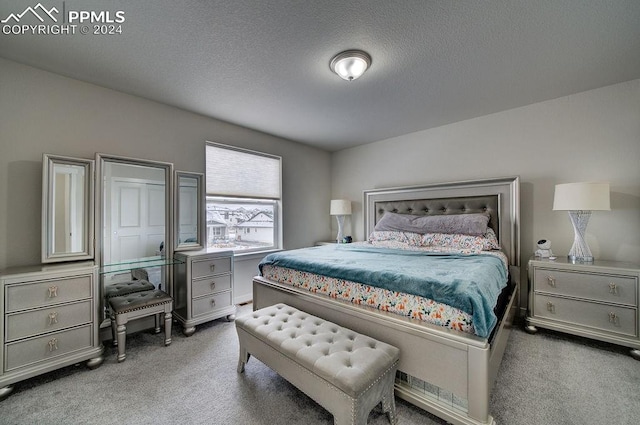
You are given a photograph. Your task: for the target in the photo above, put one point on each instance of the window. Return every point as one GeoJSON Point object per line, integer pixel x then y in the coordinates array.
{"type": "Point", "coordinates": [243, 199]}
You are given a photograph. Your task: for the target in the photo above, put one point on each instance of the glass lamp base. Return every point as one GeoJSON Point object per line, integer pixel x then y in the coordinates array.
{"type": "Point", "coordinates": [574, 259]}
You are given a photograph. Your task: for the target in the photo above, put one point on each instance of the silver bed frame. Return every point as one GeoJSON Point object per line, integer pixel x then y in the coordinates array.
{"type": "Point", "coordinates": [455, 362]}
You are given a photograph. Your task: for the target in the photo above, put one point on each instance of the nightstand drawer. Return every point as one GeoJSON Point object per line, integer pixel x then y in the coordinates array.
{"type": "Point", "coordinates": [599, 287]}
{"type": "Point", "coordinates": [210, 267]}
{"type": "Point", "coordinates": [21, 296]}
{"type": "Point", "coordinates": [28, 352]}
{"type": "Point", "coordinates": [211, 285]}
{"type": "Point", "coordinates": [212, 303]}
{"type": "Point", "coordinates": [608, 318]}
{"type": "Point", "coordinates": [34, 322]}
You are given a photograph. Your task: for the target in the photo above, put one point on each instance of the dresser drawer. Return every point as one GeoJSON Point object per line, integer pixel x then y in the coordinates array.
{"type": "Point", "coordinates": [34, 322]}
{"type": "Point", "coordinates": [610, 318]}
{"type": "Point", "coordinates": [209, 267]}
{"type": "Point", "coordinates": [211, 303]}
{"type": "Point", "coordinates": [210, 285]}
{"type": "Point", "coordinates": [31, 351]}
{"type": "Point", "coordinates": [599, 287]}
{"type": "Point", "coordinates": [21, 296]}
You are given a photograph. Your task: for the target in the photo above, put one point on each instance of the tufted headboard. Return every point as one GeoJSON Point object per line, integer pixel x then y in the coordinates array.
{"type": "Point", "coordinates": [444, 206]}
{"type": "Point", "coordinates": [498, 197]}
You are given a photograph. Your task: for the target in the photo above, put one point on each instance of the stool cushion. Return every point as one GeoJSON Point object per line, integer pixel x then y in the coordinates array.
{"type": "Point", "coordinates": [138, 300]}
{"type": "Point", "coordinates": [125, 288]}
{"type": "Point", "coordinates": [346, 359]}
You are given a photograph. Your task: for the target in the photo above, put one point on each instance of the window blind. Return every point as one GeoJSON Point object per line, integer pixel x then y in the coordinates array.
{"type": "Point", "coordinates": [237, 172]}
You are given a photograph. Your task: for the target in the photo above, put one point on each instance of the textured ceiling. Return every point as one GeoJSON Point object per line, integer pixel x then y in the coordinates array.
{"type": "Point", "coordinates": [265, 64]}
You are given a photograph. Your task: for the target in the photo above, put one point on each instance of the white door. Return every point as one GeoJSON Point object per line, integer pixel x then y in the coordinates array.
{"type": "Point", "coordinates": [138, 220]}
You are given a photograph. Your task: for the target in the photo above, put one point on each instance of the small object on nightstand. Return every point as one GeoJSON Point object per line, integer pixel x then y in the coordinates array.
{"type": "Point", "coordinates": [544, 249]}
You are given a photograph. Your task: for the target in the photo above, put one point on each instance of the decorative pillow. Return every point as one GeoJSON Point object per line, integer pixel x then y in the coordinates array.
{"type": "Point", "coordinates": [465, 224]}
{"type": "Point", "coordinates": [486, 242]}
{"type": "Point", "coordinates": [412, 239]}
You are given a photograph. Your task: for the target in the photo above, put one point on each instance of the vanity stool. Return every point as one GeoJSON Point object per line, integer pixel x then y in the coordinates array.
{"type": "Point", "coordinates": [136, 305]}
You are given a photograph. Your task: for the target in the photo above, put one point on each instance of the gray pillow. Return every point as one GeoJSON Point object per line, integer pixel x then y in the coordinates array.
{"type": "Point", "coordinates": [466, 224]}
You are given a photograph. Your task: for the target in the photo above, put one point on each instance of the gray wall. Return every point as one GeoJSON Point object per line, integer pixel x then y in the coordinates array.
{"type": "Point", "coordinates": [589, 136]}
{"type": "Point", "coordinates": [41, 112]}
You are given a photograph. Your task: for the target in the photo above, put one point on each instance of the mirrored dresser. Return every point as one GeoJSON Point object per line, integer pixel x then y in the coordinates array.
{"type": "Point", "coordinates": [48, 320]}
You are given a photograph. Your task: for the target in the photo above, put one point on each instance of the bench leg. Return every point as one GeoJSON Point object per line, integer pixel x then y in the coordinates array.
{"type": "Point", "coordinates": [244, 358]}
{"type": "Point", "coordinates": [389, 406]}
{"type": "Point", "coordinates": [157, 318]}
{"type": "Point", "coordinates": [167, 328]}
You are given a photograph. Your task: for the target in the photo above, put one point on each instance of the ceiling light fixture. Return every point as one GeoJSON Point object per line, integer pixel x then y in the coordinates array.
{"type": "Point", "coordinates": [350, 64]}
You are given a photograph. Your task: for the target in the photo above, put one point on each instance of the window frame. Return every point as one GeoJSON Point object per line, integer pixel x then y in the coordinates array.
{"type": "Point", "coordinates": [226, 198]}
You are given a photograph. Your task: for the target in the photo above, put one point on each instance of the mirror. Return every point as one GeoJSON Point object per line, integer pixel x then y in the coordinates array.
{"type": "Point", "coordinates": [67, 209]}
{"type": "Point", "coordinates": [189, 211]}
{"type": "Point", "coordinates": [134, 219]}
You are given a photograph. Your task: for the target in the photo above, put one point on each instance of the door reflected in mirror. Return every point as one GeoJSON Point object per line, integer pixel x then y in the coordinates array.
{"type": "Point", "coordinates": [134, 215]}
{"type": "Point", "coordinates": [189, 211]}
{"type": "Point", "coordinates": [67, 213]}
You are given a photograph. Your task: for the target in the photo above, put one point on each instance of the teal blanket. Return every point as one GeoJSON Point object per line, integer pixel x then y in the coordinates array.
{"type": "Point", "coordinates": [471, 283]}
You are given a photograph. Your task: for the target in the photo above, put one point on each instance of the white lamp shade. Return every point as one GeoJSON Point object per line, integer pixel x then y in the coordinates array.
{"type": "Point", "coordinates": [340, 207]}
{"type": "Point", "coordinates": [581, 197]}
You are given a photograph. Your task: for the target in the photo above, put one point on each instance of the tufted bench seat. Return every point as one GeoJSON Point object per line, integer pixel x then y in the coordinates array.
{"type": "Point", "coordinates": [135, 305]}
{"type": "Point", "coordinates": [345, 372]}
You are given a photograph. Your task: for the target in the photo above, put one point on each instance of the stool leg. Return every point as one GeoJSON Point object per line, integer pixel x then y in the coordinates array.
{"type": "Point", "coordinates": [113, 331]}
{"type": "Point", "coordinates": [122, 336]}
{"type": "Point", "coordinates": [167, 328]}
{"type": "Point", "coordinates": [157, 319]}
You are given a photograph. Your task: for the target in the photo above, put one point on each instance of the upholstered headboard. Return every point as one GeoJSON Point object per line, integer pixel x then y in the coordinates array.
{"type": "Point", "coordinates": [443, 206]}
{"type": "Point", "coordinates": [498, 197]}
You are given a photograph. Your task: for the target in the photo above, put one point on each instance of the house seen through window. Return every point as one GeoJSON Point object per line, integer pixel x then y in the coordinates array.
{"type": "Point", "coordinates": [243, 199]}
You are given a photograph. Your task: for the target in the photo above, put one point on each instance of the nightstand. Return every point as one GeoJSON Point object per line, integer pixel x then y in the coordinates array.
{"type": "Point", "coordinates": [598, 300]}
{"type": "Point", "coordinates": [203, 287]}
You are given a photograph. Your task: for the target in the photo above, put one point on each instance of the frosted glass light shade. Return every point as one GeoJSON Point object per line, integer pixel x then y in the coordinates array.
{"type": "Point", "coordinates": [351, 64]}
{"type": "Point", "coordinates": [581, 197]}
{"type": "Point", "coordinates": [340, 207]}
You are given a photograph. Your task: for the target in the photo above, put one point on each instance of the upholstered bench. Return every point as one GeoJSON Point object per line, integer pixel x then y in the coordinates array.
{"type": "Point", "coordinates": [345, 372]}
{"type": "Point", "coordinates": [135, 305]}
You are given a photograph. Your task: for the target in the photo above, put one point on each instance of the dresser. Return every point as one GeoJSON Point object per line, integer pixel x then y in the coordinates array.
{"type": "Point", "coordinates": [48, 320]}
{"type": "Point", "coordinates": [203, 287]}
{"type": "Point", "coordinates": [598, 300]}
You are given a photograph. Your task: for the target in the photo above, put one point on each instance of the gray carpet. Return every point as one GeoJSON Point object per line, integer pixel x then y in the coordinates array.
{"type": "Point", "coordinates": [546, 378]}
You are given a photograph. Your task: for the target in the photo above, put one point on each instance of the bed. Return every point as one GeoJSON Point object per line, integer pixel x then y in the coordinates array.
{"type": "Point", "coordinates": [446, 371]}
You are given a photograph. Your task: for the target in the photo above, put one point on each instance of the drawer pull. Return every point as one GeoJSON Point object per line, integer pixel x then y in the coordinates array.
{"type": "Point", "coordinates": [613, 288]}
{"type": "Point", "coordinates": [551, 281]}
{"type": "Point", "coordinates": [212, 267]}
{"type": "Point", "coordinates": [613, 318]}
{"type": "Point", "coordinates": [53, 291]}
{"type": "Point", "coordinates": [53, 318]}
{"type": "Point", "coordinates": [213, 302]}
{"type": "Point", "coordinates": [53, 345]}
{"type": "Point", "coordinates": [551, 307]}
{"type": "Point", "coordinates": [213, 285]}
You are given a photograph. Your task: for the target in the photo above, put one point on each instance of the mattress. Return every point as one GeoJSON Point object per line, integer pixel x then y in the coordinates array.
{"type": "Point", "coordinates": [391, 298]}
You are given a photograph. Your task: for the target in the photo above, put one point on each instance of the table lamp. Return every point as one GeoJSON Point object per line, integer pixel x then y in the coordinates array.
{"type": "Point", "coordinates": [340, 208]}
{"type": "Point", "coordinates": [579, 199]}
